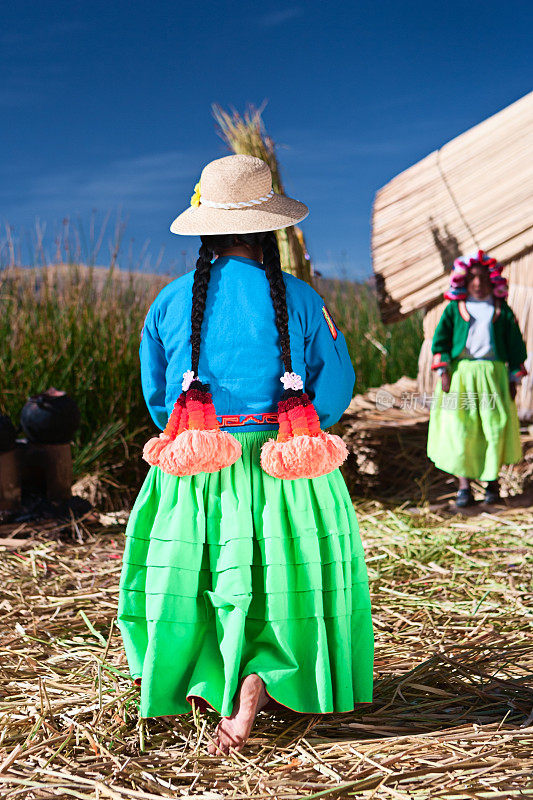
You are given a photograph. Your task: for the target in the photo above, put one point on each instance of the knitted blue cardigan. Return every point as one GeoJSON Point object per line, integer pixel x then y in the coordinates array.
{"type": "Point", "coordinates": [240, 355]}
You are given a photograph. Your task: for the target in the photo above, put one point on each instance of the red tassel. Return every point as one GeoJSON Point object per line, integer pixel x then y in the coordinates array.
{"type": "Point", "coordinates": [301, 449]}
{"type": "Point", "coordinates": [192, 441]}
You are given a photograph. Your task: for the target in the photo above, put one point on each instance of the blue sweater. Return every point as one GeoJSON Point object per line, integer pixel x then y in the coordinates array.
{"type": "Point", "coordinates": [240, 355]}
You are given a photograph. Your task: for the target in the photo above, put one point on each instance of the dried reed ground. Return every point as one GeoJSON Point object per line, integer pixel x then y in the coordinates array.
{"type": "Point", "coordinates": [452, 715]}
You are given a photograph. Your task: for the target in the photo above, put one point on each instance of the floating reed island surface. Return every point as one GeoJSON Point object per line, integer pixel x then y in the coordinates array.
{"type": "Point", "coordinates": [453, 710]}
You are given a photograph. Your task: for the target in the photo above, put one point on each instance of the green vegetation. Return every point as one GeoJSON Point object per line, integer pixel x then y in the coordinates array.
{"type": "Point", "coordinates": [68, 329]}
{"type": "Point", "coordinates": [380, 353]}
{"type": "Point", "coordinates": [78, 329]}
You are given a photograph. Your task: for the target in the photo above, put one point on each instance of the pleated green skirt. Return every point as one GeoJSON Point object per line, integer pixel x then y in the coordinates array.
{"type": "Point", "coordinates": [474, 429]}
{"type": "Point", "coordinates": [235, 572]}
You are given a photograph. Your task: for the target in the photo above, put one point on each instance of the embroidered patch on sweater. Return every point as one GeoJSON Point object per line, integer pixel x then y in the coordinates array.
{"type": "Point", "coordinates": [329, 320]}
{"type": "Point", "coordinates": [142, 329]}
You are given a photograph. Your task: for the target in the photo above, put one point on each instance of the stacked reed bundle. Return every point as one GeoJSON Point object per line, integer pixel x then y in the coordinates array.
{"type": "Point", "coordinates": [472, 193]}
{"type": "Point", "coordinates": [247, 135]}
{"type": "Point", "coordinates": [385, 430]}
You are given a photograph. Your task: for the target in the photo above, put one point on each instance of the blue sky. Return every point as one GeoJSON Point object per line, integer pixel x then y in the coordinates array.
{"type": "Point", "coordinates": [107, 106]}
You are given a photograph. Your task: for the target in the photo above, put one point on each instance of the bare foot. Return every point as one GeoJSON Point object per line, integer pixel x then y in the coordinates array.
{"type": "Point", "coordinates": [233, 732]}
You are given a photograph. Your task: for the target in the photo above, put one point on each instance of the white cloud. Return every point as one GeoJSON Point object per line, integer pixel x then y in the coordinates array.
{"type": "Point", "coordinates": [276, 18]}
{"type": "Point", "coordinates": [141, 183]}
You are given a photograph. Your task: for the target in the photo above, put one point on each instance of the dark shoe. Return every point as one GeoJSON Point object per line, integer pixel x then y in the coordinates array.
{"type": "Point", "coordinates": [464, 498]}
{"type": "Point", "coordinates": [492, 495]}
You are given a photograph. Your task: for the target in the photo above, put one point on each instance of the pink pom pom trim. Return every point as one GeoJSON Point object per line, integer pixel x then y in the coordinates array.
{"type": "Point", "coordinates": [195, 451]}
{"type": "Point", "coordinates": [500, 291]}
{"type": "Point", "coordinates": [303, 456]}
{"type": "Point", "coordinates": [153, 447]}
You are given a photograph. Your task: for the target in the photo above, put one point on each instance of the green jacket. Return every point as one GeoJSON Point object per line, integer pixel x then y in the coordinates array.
{"type": "Point", "coordinates": [450, 336]}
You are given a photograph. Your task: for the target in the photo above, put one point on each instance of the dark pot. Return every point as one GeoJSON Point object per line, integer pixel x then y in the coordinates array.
{"type": "Point", "coordinates": [51, 417]}
{"type": "Point", "coordinates": [8, 434]}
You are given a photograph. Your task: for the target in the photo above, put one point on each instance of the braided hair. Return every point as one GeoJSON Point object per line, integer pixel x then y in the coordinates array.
{"type": "Point", "coordinates": [214, 245]}
{"type": "Point", "coordinates": [199, 296]}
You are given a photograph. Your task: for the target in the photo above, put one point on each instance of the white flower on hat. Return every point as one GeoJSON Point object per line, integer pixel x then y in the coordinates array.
{"type": "Point", "coordinates": [291, 380]}
{"type": "Point", "coordinates": [188, 378]}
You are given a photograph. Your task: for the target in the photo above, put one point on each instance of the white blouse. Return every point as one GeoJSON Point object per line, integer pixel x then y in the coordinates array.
{"type": "Point", "coordinates": [479, 341]}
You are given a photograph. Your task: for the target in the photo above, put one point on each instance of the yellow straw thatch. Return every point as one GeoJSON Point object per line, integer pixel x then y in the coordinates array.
{"type": "Point", "coordinates": [247, 135]}
{"type": "Point", "coordinates": [475, 192]}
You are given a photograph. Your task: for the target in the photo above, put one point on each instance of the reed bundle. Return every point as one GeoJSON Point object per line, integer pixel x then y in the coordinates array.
{"type": "Point", "coordinates": [475, 192]}
{"type": "Point", "coordinates": [246, 134]}
{"type": "Point", "coordinates": [452, 711]}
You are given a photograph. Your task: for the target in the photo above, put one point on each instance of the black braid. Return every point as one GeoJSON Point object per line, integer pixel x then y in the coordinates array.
{"type": "Point", "coordinates": [271, 262]}
{"type": "Point", "coordinates": [199, 296]}
{"type": "Point", "coordinates": [272, 265]}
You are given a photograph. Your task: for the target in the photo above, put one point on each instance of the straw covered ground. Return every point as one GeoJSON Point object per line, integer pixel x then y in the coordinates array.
{"type": "Point", "coordinates": [453, 709]}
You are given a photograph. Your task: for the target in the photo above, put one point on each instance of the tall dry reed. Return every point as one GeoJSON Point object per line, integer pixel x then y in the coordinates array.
{"type": "Point", "coordinates": [380, 353]}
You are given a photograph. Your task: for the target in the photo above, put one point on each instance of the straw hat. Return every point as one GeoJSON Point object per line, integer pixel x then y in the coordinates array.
{"type": "Point", "coordinates": [235, 195]}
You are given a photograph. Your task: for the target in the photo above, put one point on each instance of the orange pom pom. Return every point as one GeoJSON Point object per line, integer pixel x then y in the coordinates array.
{"type": "Point", "coordinates": [196, 451]}
{"type": "Point", "coordinates": [211, 421]}
{"type": "Point", "coordinates": [301, 449]}
{"type": "Point", "coordinates": [153, 447]}
{"type": "Point", "coordinates": [192, 441]}
{"type": "Point", "coordinates": [184, 422]}
{"type": "Point", "coordinates": [312, 419]}
{"type": "Point", "coordinates": [175, 420]}
{"type": "Point", "coordinates": [303, 456]}
{"type": "Point", "coordinates": [284, 427]}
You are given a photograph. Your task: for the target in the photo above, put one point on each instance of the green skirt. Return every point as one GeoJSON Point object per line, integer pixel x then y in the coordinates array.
{"type": "Point", "coordinates": [474, 430]}
{"type": "Point", "coordinates": [235, 572]}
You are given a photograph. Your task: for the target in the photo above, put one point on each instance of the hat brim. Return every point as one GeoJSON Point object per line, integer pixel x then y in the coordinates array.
{"type": "Point", "coordinates": [278, 212]}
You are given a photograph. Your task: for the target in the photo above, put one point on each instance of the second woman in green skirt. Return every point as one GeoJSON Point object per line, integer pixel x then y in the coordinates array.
{"type": "Point", "coordinates": [243, 580]}
{"type": "Point", "coordinates": [479, 352]}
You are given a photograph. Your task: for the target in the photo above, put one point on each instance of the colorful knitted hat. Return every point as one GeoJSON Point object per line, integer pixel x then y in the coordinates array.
{"type": "Point", "coordinates": [192, 441]}
{"type": "Point", "coordinates": [461, 267]}
{"type": "Point", "coordinates": [301, 449]}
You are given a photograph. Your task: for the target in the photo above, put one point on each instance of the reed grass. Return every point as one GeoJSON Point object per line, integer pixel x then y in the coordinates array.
{"type": "Point", "coordinates": [78, 329]}
{"type": "Point", "coordinates": [380, 353]}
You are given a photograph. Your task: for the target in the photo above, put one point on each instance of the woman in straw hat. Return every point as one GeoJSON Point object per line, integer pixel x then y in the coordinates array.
{"type": "Point", "coordinates": [479, 352]}
{"type": "Point", "coordinates": [244, 579]}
